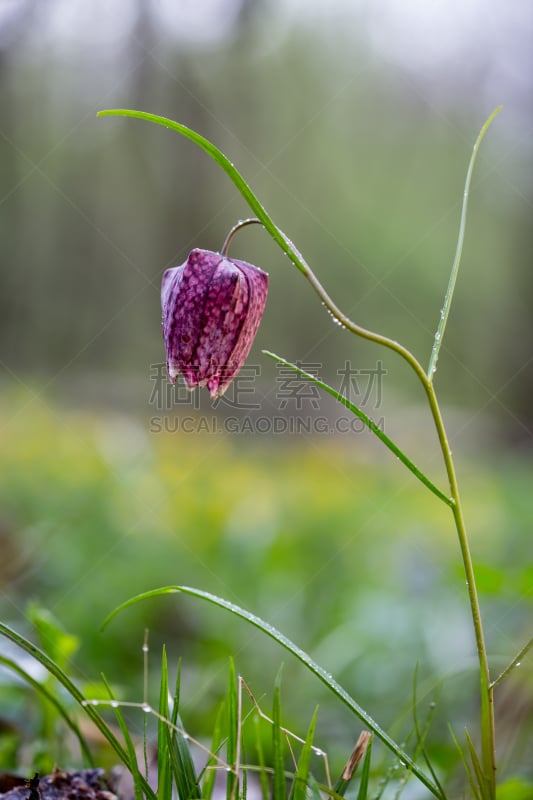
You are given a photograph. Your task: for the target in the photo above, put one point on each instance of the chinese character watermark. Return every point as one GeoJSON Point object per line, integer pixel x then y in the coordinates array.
{"type": "Point", "coordinates": [359, 385]}
{"type": "Point", "coordinates": [294, 388]}
{"type": "Point", "coordinates": [296, 397]}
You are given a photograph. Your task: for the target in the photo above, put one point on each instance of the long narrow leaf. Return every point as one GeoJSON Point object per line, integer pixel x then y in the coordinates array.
{"type": "Point", "coordinates": [302, 656]}
{"type": "Point", "coordinates": [224, 162]}
{"type": "Point", "coordinates": [263, 779]}
{"type": "Point", "coordinates": [513, 664]}
{"type": "Point", "coordinates": [279, 790]}
{"type": "Point", "coordinates": [232, 745]}
{"type": "Point", "coordinates": [182, 765]}
{"type": "Point", "coordinates": [164, 774]}
{"type": "Point", "coordinates": [468, 768]}
{"type": "Point", "coordinates": [181, 760]}
{"type": "Point", "coordinates": [132, 755]}
{"type": "Point", "coordinates": [362, 794]}
{"type": "Point", "coordinates": [314, 788]}
{"type": "Point", "coordinates": [301, 779]}
{"type": "Point", "coordinates": [422, 734]}
{"type": "Point", "coordinates": [177, 694]}
{"type": "Point", "coordinates": [439, 335]}
{"type": "Point", "coordinates": [478, 770]}
{"type": "Point", "coordinates": [209, 772]}
{"type": "Point", "coordinates": [184, 778]}
{"type": "Point", "coordinates": [393, 447]}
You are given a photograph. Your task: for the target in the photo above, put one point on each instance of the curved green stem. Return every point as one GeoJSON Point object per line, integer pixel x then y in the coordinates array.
{"type": "Point", "coordinates": [242, 223]}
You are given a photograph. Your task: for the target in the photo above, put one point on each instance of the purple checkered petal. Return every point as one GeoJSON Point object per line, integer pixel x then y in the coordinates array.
{"type": "Point", "coordinates": [212, 307]}
{"type": "Point", "coordinates": [257, 287]}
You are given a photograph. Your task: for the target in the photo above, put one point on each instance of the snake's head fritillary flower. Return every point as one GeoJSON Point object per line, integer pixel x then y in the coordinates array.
{"type": "Point", "coordinates": [212, 307]}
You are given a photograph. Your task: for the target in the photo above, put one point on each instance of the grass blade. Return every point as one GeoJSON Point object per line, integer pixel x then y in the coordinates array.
{"type": "Point", "coordinates": [181, 761]}
{"type": "Point", "coordinates": [422, 734]}
{"type": "Point", "coordinates": [478, 770]}
{"type": "Point", "coordinates": [301, 779]}
{"type": "Point", "coordinates": [279, 789]}
{"type": "Point", "coordinates": [209, 772]}
{"type": "Point", "coordinates": [263, 779]}
{"type": "Point", "coordinates": [362, 794]}
{"type": "Point", "coordinates": [233, 734]}
{"type": "Point", "coordinates": [369, 423]}
{"type": "Point", "coordinates": [182, 765]}
{"type": "Point", "coordinates": [302, 656]}
{"type": "Point", "coordinates": [468, 769]}
{"type": "Point", "coordinates": [132, 755]}
{"type": "Point", "coordinates": [514, 663]}
{"type": "Point", "coordinates": [164, 774]}
{"type": "Point", "coordinates": [314, 787]}
{"type": "Point", "coordinates": [439, 335]}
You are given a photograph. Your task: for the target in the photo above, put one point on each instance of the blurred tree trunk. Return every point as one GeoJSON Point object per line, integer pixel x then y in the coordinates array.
{"type": "Point", "coordinates": [15, 294]}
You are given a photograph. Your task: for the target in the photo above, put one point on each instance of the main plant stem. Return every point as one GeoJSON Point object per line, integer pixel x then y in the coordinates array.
{"type": "Point", "coordinates": [488, 734]}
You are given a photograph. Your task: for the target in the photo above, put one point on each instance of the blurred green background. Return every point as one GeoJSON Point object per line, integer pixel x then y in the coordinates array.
{"type": "Point", "coordinates": [354, 123]}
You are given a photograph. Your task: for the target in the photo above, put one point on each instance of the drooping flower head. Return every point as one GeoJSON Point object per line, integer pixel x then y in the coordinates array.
{"type": "Point", "coordinates": [212, 307]}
